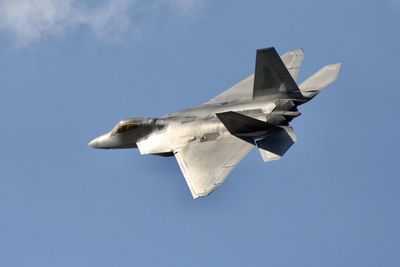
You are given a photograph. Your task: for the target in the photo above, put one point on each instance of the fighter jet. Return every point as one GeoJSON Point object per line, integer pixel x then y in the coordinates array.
{"type": "Point", "coordinates": [210, 140]}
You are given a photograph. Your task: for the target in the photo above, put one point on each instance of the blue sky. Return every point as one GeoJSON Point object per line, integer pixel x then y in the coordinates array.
{"type": "Point", "coordinates": [69, 70]}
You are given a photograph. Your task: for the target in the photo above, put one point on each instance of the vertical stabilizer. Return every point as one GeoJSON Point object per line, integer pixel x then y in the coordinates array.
{"type": "Point", "coordinates": [292, 61]}
{"type": "Point", "coordinates": [271, 76]}
{"type": "Point", "coordinates": [276, 143]}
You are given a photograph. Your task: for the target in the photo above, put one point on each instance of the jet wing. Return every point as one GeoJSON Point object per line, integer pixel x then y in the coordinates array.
{"type": "Point", "coordinates": [206, 164]}
{"type": "Point", "coordinates": [241, 91]}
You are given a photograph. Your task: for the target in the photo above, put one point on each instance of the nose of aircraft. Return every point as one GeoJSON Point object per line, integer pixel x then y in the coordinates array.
{"type": "Point", "coordinates": [94, 143]}
{"type": "Point", "coordinates": [99, 142]}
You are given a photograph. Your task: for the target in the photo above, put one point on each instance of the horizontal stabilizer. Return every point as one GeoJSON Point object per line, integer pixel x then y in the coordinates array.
{"type": "Point", "coordinates": [320, 80]}
{"type": "Point", "coordinates": [241, 125]}
{"type": "Point", "coordinates": [273, 141]}
{"type": "Point", "coordinates": [275, 144]}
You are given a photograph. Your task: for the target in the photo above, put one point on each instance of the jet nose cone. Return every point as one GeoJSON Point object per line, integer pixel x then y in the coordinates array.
{"type": "Point", "coordinates": [103, 141]}
{"type": "Point", "coordinates": [94, 143]}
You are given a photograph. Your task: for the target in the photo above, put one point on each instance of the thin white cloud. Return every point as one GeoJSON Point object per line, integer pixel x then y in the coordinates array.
{"type": "Point", "coordinates": [28, 22]}
{"type": "Point", "coordinates": [110, 20]}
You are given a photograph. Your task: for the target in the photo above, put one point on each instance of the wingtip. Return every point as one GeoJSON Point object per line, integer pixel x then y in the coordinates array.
{"type": "Point", "coordinates": [197, 196]}
{"type": "Point", "coordinates": [335, 65]}
{"type": "Point", "coordinates": [336, 69]}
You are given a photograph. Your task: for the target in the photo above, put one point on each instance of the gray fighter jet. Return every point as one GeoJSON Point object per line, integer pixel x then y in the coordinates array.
{"type": "Point", "coordinates": [210, 140]}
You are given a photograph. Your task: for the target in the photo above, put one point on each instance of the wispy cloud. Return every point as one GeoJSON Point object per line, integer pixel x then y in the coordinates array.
{"type": "Point", "coordinates": [28, 22]}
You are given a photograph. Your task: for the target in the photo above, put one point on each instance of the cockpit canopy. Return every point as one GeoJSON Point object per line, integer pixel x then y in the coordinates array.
{"type": "Point", "coordinates": [130, 124]}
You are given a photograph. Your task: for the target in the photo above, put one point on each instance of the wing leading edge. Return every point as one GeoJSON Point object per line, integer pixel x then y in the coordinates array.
{"type": "Point", "coordinates": [206, 164]}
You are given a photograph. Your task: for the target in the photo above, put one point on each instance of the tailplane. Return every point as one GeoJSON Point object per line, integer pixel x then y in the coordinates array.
{"type": "Point", "coordinates": [273, 141]}
{"type": "Point", "coordinates": [321, 79]}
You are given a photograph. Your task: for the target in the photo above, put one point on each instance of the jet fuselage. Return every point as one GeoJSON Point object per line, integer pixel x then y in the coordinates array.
{"type": "Point", "coordinates": [161, 136]}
